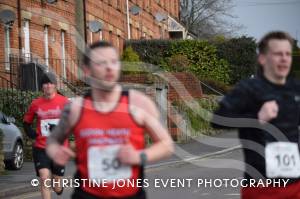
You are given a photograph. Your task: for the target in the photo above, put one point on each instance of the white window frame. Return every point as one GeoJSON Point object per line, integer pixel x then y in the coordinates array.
{"type": "Point", "coordinates": [26, 32]}
{"type": "Point", "coordinates": [100, 35]}
{"type": "Point", "coordinates": [7, 47]}
{"type": "Point", "coordinates": [46, 44]}
{"type": "Point", "coordinates": [118, 41]}
{"type": "Point", "coordinates": [63, 53]}
{"type": "Point", "coordinates": [91, 37]}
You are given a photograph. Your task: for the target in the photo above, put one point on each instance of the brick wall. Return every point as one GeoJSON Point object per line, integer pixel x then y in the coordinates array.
{"type": "Point", "coordinates": [183, 86]}
{"type": "Point", "coordinates": [58, 17]}
{"type": "Point", "coordinates": [61, 16]}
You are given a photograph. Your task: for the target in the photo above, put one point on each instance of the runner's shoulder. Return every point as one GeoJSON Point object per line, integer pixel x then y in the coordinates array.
{"type": "Point", "coordinates": [250, 84]}
{"type": "Point", "coordinates": [74, 107]}
{"type": "Point", "coordinates": [75, 104]}
{"type": "Point", "coordinates": [295, 83]}
{"type": "Point", "coordinates": [142, 101]}
{"type": "Point", "coordinates": [139, 98]}
{"type": "Point", "coordinates": [61, 96]}
{"type": "Point", "coordinates": [37, 100]}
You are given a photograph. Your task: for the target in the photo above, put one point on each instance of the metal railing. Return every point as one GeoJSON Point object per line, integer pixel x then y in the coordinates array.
{"type": "Point", "coordinates": [28, 69]}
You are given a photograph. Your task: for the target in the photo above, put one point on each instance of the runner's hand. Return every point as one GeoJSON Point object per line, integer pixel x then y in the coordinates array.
{"type": "Point", "coordinates": [59, 154]}
{"type": "Point", "coordinates": [268, 111]}
{"type": "Point", "coordinates": [129, 155]}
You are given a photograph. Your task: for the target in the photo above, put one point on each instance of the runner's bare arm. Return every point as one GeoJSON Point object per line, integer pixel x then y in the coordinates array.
{"type": "Point", "coordinates": [61, 131]}
{"type": "Point", "coordinates": [69, 117]}
{"type": "Point", "coordinates": [145, 113]}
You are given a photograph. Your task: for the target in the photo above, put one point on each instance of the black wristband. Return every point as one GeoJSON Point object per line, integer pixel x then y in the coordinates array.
{"type": "Point", "coordinates": [143, 158]}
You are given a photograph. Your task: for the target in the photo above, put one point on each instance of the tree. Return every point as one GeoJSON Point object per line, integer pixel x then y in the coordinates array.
{"type": "Point", "coordinates": [205, 18]}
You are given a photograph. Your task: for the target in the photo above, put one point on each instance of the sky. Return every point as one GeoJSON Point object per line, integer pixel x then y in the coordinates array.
{"type": "Point", "coordinates": [261, 16]}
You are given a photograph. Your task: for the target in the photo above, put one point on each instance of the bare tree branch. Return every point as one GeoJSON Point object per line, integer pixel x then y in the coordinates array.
{"type": "Point", "coordinates": [205, 18]}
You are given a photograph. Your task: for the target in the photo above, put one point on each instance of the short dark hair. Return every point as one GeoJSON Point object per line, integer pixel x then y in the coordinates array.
{"type": "Point", "coordinates": [280, 35]}
{"type": "Point", "coordinates": [98, 44]}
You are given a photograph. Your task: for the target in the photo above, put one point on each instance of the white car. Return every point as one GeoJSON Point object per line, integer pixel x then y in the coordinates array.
{"type": "Point", "coordinates": [12, 143]}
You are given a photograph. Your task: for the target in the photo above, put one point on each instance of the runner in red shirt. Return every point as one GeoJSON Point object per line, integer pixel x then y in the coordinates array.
{"type": "Point", "coordinates": [109, 125]}
{"type": "Point", "coordinates": [47, 110]}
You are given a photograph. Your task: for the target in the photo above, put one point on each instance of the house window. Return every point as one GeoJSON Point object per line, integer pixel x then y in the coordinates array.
{"type": "Point", "coordinates": [26, 50]}
{"type": "Point", "coordinates": [46, 45]}
{"type": "Point", "coordinates": [110, 37]}
{"type": "Point", "coordinates": [7, 47]}
{"type": "Point", "coordinates": [63, 53]}
{"type": "Point", "coordinates": [131, 32]}
{"type": "Point", "coordinates": [100, 35]}
{"type": "Point", "coordinates": [118, 41]}
{"type": "Point", "coordinates": [91, 37]}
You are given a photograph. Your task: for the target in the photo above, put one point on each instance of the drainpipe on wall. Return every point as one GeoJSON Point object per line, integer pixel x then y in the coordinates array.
{"type": "Point", "coordinates": [84, 19]}
{"type": "Point", "coordinates": [128, 20]}
{"type": "Point", "coordinates": [80, 25]}
{"type": "Point", "coordinates": [19, 27]}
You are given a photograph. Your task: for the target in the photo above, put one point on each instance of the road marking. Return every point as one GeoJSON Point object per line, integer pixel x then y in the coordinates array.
{"type": "Point", "coordinates": [186, 160]}
{"type": "Point", "coordinates": [232, 194]}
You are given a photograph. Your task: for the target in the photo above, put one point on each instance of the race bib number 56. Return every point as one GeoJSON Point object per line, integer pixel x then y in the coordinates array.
{"type": "Point", "coordinates": [104, 164]}
{"type": "Point", "coordinates": [282, 160]}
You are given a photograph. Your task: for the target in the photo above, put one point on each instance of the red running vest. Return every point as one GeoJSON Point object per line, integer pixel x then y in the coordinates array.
{"type": "Point", "coordinates": [98, 136]}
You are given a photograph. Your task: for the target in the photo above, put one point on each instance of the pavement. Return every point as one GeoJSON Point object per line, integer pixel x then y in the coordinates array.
{"type": "Point", "coordinates": [15, 183]}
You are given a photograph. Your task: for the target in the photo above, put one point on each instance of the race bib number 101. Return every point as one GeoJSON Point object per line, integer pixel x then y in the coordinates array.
{"type": "Point", "coordinates": [282, 160]}
{"type": "Point", "coordinates": [104, 164]}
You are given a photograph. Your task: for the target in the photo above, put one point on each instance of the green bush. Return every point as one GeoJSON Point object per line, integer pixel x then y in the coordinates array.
{"type": "Point", "coordinates": [240, 53]}
{"type": "Point", "coordinates": [201, 56]}
{"type": "Point", "coordinates": [178, 63]}
{"type": "Point", "coordinates": [129, 55]}
{"type": "Point", "coordinates": [150, 51]}
{"type": "Point", "coordinates": [198, 118]}
{"type": "Point", "coordinates": [15, 103]}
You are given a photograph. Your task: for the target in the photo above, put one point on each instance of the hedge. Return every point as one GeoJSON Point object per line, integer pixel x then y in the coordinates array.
{"type": "Point", "coordinates": [223, 60]}
{"type": "Point", "coordinates": [15, 103]}
{"type": "Point", "coordinates": [241, 55]}
{"type": "Point", "coordinates": [198, 119]}
{"type": "Point", "coordinates": [201, 57]}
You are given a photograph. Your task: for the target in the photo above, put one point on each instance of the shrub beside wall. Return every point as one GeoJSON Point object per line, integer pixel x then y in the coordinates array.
{"type": "Point", "coordinates": [224, 60]}
{"type": "Point", "coordinates": [196, 56]}
{"type": "Point", "coordinates": [241, 55]}
{"type": "Point", "coordinates": [15, 103]}
{"type": "Point", "coordinates": [198, 118]}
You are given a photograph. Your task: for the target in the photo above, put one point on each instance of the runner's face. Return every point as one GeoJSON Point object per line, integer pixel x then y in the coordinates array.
{"type": "Point", "coordinates": [277, 60]}
{"type": "Point", "coordinates": [49, 89]}
{"type": "Point", "coordinates": [104, 70]}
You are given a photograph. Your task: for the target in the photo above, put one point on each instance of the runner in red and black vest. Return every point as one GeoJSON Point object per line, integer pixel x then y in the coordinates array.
{"type": "Point", "coordinates": [109, 125]}
{"type": "Point", "coordinates": [47, 111]}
